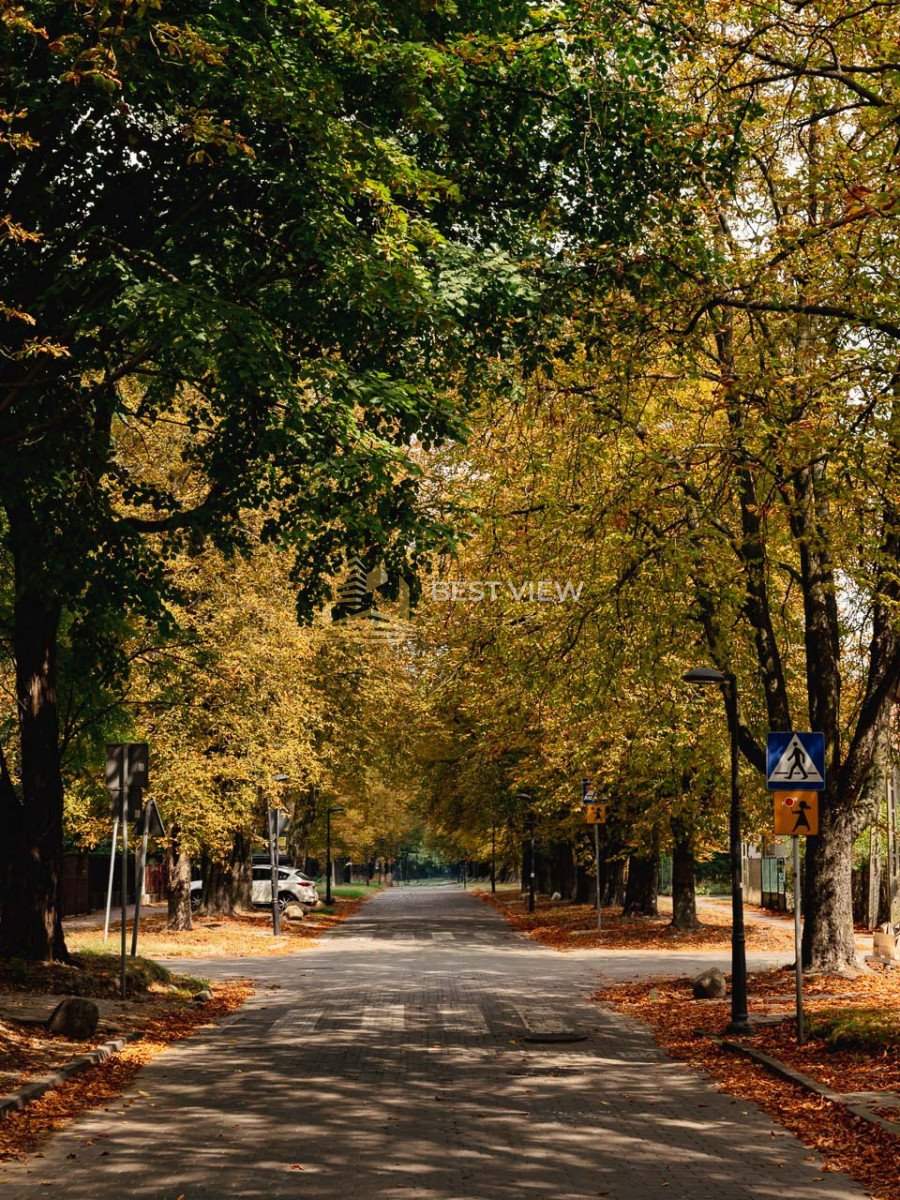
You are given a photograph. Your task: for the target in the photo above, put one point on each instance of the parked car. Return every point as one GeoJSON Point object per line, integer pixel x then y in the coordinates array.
{"type": "Point", "coordinates": [293, 888]}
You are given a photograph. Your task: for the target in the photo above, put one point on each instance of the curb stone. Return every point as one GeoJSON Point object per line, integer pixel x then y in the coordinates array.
{"type": "Point", "coordinates": [849, 1100]}
{"type": "Point", "coordinates": [14, 1101]}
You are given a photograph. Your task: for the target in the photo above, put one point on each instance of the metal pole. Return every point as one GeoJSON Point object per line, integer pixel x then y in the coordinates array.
{"type": "Point", "coordinates": [112, 871]}
{"type": "Point", "coordinates": [140, 868]}
{"type": "Point", "coordinates": [465, 874]}
{"type": "Point", "coordinates": [740, 1020]}
{"type": "Point", "coordinates": [273, 864]}
{"type": "Point", "coordinates": [493, 858]}
{"type": "Point", "coordinates": [124, 819]}
{"type": "Point", "coordinates": [597, 871]}
{"type": "Point", "coordinates": [328, 856]}
{"type": "Point", "coordinates": [798, 943]}
{"type": "Point", "coordinates": [531, 878]}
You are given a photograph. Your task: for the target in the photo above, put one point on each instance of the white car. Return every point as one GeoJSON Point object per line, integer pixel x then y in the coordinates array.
{"type": "Point", "coordinates": [293, 888]}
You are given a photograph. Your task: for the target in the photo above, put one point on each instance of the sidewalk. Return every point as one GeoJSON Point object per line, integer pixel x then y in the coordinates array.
{"type": "Point", "coordinates": [94, 920]}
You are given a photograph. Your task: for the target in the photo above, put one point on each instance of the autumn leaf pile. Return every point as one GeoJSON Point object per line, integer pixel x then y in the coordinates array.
{"type": "Point", "coordinates": [242, 935]}
{"type": "Point", "coordinates": [21, 1132]}
{"type": "Point", "coordinates": [573, 926]}
{"type": "Point", "coordinates": [846, 1143]}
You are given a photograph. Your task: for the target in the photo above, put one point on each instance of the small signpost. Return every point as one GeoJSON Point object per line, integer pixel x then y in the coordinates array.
{"type": "Point", "coordinates": [795, 773]}
{"type": "Point", "coordinates": [277, 824]}
{"type": "Point", "coordinates": [594, 814]}
{"type": "Point", "coordinates": [151, 824]}
{"type": "Point", "coordinates": [127, 773]}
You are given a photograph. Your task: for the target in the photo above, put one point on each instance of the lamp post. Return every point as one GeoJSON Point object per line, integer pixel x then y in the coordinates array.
{"type": "Point", "coordinates": [527, 797]}
{"type": "Point", "coordinates": [740, 1020]}
{"type": "Point", "coordinates": [334, 808]}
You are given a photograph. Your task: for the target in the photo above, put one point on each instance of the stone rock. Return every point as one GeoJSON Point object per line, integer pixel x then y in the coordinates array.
{"type": "Point", "coordinates": [294, 912]}
{"type": "Point", "coordinates": [319, 904]}
{"type": "Point", "coordinates": [710, 985]}
{"type": "Point", "coordinates": [75, 1017]}
{"type": "Point", "coordinates": [202, 997]}
{"type": "Point", "coordinates": [556, 896]}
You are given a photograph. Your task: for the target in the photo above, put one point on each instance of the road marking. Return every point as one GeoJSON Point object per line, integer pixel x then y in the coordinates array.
{"type": "Point", "coordinates": [462, 1018]}
{"type": "Point", "coordinates": [545, 1025]}
{"type": "Point", "coordinates": [298, 1020]}
{"type": "Point", "coordinates": [384, 1018]}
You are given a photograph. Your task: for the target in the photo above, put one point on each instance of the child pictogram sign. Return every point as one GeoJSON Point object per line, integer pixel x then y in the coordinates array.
{"type": "Point", "coordinates": [796, 813]}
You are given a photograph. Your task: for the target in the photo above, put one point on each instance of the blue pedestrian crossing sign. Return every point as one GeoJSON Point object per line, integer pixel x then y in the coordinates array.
{"type": "Point", "coordinates": [795, 760]}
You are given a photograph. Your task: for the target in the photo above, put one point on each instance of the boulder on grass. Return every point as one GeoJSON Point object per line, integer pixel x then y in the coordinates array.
{"type": "Point", "coordinates": [202, 997]}
{"type": "Point", "coordinates": [74, 1017]}
{"type": "Point", "coordinates": [710, 985]}
{"type": "Point", "coordinates": [294, 912]}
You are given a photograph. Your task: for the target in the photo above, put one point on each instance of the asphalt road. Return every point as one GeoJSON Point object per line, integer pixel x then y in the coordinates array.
{"type": "Point", "coordinates": [425, 1051]}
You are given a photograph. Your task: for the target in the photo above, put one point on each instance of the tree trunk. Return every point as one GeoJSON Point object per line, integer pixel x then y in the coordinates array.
{"type": "Point", "coordinates": [242, 871]}
{"type": "Point", "coordinates": [828, 941]}
{"type": "Point", "coordinates": [217, 895]}
{"type": "Point", "coordinates": [179, 877]}
{"type": "Point", "coordinates": [684, 896]}
{"type": "Point", "coordinates": [227, 885]}
{"type": "Point", "coordinates": [612, 881]}
{"type": "Point", "coordinates": [31, 925]}
{"type": "Point", "coordinates": [641, 887]}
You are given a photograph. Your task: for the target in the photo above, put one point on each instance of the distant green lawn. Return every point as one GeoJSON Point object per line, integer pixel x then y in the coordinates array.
{"type": "Point", "coordinates": [349, 891]}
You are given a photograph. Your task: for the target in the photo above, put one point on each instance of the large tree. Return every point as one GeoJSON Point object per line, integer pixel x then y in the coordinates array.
{"type": "Point", "coordinates": [281, 228]}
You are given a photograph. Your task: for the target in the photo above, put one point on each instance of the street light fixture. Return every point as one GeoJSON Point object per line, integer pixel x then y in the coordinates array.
{"type": "Point", "coordinates": [740, 1019]}
{"type": "Point", "coordinates": [531, 883]}
{"type": "Point", "coordinates": [334, 808]}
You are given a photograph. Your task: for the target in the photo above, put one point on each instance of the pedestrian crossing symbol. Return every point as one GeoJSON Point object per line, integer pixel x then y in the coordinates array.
{"type": "Point", "coordinates": [594, 814]}
{"type": "Point", "coordinates": [795, 760]}
{"type": "Point", "coordinates": [796, 813]}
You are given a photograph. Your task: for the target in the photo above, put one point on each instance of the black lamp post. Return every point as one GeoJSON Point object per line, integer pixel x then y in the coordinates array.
{"type": "Point", "coordinates": [335, 808]}
{"type": "Point", "coordinates": [740, 1020]}
{"type": "Point", "coordinates": [531, 878]}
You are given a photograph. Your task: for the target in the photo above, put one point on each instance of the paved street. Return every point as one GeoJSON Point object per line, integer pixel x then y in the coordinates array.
{"type": "Point", "coordinates": [393, 1062]}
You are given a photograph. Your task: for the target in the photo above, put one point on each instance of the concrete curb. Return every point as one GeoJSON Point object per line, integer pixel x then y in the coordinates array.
{"type": "Point", "coordinates": [14, 1101]}
{"type": "Point", "coordinates": [849, 1100]}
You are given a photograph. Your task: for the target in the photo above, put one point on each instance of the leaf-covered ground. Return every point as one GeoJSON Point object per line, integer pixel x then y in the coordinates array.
{"type": "Point", "coordinates": [565, 926]}
{"type": "Point", "coordinates": [163, 1020]}
{"type": "Point", "coordinates": [871, 1155]}
{"type": "Point", "coordinates": [241, 936]}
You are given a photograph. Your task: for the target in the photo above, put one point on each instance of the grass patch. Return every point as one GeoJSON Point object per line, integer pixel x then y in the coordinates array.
{"type": "Point", "coordinates": [351, 891]}
{"type": "Point", "coordinates": [90, 973]}
{"type": "Point", "coordinates": [873, 1029]}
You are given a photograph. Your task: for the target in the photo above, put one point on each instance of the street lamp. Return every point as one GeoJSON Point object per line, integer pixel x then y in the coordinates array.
{"type": "Point", "coordinates": [273, 860]}
{"type": "Point", "coordinates": [527, 797]}
{"type": "Point", "coordinates": [740, 1020]}
{"type": "Point", "coordinates": [335, 808]}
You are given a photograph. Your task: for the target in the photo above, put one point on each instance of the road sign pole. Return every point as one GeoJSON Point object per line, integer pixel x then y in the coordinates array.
{"type": "Point", "coordinates": [112, 872]}
{"type": "Point", "coordinates": [597, 871]}
{"type": "Point", "coordinates": [273, 863]}
{"type": "Point", "coordinates": [139, 880]}
{"type": "Point", "coordinates": [798, 947]}
{"type": "Point", "coordinates": [123, 817]}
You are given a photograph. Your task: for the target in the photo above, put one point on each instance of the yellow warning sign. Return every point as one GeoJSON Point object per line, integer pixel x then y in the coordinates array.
{"type": "Point", "coordinates": [796, 813]}
{"type": "Point", "coordinates": [594, 814]}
